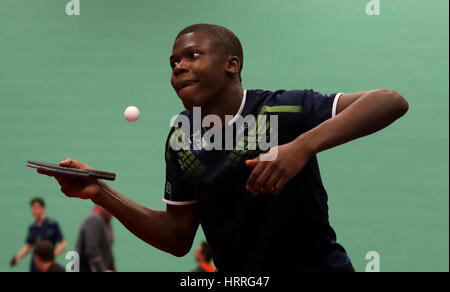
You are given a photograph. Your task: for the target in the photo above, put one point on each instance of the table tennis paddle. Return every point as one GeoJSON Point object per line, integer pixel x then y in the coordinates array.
{"type": "Point", "coordinates": [50, 167]}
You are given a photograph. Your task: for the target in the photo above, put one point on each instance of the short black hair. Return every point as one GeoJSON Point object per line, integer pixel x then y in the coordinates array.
{"type": "Point", "coordinates": [206, 251]}
{"type": "Point", "coordinates": [44, 249]}
{"type": "Point", "coordinates": [229, 42]}
{"type": "Point", "coordinates": [38, 200]}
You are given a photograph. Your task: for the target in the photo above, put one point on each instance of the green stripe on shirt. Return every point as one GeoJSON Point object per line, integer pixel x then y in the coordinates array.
{"type": "Point", "coordinates": [281, 109]}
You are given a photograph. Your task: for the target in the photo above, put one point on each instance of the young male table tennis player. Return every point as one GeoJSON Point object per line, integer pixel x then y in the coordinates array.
{"type": "Point", "coordinates": [256, 215]}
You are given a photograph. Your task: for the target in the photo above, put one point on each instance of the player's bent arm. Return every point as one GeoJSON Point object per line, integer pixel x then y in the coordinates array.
{"type": "Point", "coordinates": [62, 245]}
{"type": "Point", "coordinates": [358, 114]}
{"type": "Point", "coordinates": [172, 230]}
{"type": "Point", "coordinates": [23, 251]}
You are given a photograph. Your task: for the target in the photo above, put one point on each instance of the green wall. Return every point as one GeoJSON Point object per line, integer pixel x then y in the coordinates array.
{"type": "Point", "coordinates": [65, 81]}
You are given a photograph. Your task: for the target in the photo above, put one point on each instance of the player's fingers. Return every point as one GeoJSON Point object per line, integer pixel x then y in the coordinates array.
{"type": "Point", "coordinates": [70, 189]}
{"type": "Point", "coordinates": [13, 261]}
{"type": "Point", "coordinates": [89, 191]}
{"type": "Point", "coordinates": [262, 179]}
{"type": "Point", "coordinates": [279, 186]}
{"type": "Point", "coordinates": [269, 187]}
{"type": "Point", "coordinates": [79, 187]}
{"type": "Point", "coordinates": [68, 162]}
{"type": "Point", "coordinates": [252, 162]}
{"type": "Point", "coordinates": [60, 179]}
{"type": "Point", "coordinates": [86, 192]}
{"type": "Point", "coordinates": [254, 175]}
{"type": "Point", "coordinates": [49, 173]}
{"type": "Point", "coordinates": [69, 185]}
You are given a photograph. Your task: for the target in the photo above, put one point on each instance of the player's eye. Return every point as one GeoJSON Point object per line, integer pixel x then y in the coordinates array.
{"type": "Point", "coordinates": [191, 56]}
{"type": "Point", "coordinates": [195, 55]}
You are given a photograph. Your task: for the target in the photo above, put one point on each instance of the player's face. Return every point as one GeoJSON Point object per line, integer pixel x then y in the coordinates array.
{"type": "Point", "coordinates": [39, 263]}
{"type": "Point", "coordinates": [198, 69]}
{"type": "Point", "coordinates": [37, 210]}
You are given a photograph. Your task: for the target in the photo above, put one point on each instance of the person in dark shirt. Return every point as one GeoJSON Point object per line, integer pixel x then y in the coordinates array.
{"type": "Point", "coordinates": [261, 209]}
{"type": "Point", "coordinates": [44, 257]}
{"type": "Point", "coordinates": [94, 243]}
{"type": "Point", "coordinates": [43, 229]}
{"type": "Point", "coordinates": [203, 257]}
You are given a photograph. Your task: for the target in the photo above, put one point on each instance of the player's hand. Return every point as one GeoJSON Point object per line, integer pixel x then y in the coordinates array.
{"type": "Point", "coordinates": [14, 261]}
{"type": "Point", "coordinates": [270, 177]}
{"type": "Point", "coordinates": [72, 186]}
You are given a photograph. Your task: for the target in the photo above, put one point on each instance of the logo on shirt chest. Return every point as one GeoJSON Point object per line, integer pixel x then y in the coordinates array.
{"type": "Point", "coordinates": [168, 188]}
{"type": "Point", "coordinates": [251, 132]}
{"type": "Point", "coordinates": [197, 141]}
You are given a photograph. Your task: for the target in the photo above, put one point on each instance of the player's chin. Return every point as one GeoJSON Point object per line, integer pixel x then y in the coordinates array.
{"type": "Point", "coordinates": [191, 100]}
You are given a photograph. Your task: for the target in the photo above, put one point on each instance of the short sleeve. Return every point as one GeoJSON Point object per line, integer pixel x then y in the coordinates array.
{"type": "Point", "coordinates": [312, 107]}
{"type": "Point", "coordinates": [31, 239]}
{"type": "Point", "coordinates": [58, 236]}
{"type": "Point", "coordinates": [317, 107]}
{"type": "Point", "coordinates": [177, 190]}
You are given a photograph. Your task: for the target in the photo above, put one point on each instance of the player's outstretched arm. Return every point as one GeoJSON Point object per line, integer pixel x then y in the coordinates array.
{"type": "Point", "coordinates": [62, 245]}
{"type": "Point", "coordinates": [172, 230]}
{"type": "Point", "coordinates": [21, 254]}
{"type": "Point", "coordinates": [358, 114]}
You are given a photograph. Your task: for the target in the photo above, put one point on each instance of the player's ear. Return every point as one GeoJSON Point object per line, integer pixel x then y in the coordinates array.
{"type": "Point", "coordinates": [233, 65]}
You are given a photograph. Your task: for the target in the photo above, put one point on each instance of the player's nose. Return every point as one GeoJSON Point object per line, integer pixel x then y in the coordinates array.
{"type": "Point", "coordinates": [180, 68]}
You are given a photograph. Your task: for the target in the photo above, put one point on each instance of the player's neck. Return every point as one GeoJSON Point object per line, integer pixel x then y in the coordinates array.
{"type": "Point", "coordinates": [40, 220]}
{"type": "Point", "coordinates": [227, 103]}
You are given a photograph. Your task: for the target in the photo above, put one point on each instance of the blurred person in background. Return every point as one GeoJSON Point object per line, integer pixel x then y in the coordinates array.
{"type": "Point", "coordinates": [203, 257]}
{"type": "Point", "coordinates": [42, 229]}
{"type": "Point", "coordinates": [44, 257]}
{"type": "Point", "coordinates": [94, 243]}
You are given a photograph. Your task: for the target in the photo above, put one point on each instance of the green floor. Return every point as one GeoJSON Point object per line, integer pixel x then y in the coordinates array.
{"type": "Point", "coordinates": [65, 81]}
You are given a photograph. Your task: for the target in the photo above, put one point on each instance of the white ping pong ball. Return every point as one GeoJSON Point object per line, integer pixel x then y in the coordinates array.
{"type": "Point", "coordinates": [131, 113]}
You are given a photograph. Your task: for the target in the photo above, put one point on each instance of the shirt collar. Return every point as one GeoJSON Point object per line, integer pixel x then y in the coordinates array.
{"type": "Point", "coordinates": [240, 109]}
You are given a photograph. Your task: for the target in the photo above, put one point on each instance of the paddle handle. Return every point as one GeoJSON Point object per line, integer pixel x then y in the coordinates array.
{"type": "Point", "coordinates": [102, 174]}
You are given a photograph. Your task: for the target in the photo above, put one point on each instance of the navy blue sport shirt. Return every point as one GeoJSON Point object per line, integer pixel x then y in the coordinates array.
{"type": "Point", "coordinates": [247, 233]}
{"type": "Point", "coordinates": [49, 230]}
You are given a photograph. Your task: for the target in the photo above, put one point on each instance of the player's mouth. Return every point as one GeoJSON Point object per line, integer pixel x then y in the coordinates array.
{"type": "Point", "coordinates": [186, 84]}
